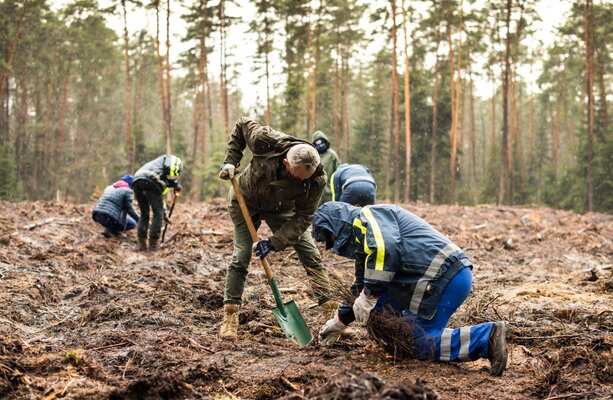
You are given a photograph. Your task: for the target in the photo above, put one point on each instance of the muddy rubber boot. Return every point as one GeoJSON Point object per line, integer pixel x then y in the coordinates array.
{"type": "Point", "coordinates": [229, 326]}
{"type": "Point", "coordinates": [153, 244]}
{"type": "Point", "coordinates": [142, 244]}
{"type": "Point", "coordinates": [329, 309]}
{"type": "Point", "coordinates": [497, 348]}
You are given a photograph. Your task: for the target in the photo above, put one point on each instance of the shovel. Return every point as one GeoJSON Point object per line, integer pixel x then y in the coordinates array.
{"type": "Point", "coordinates": [287, 314]}
{"type": "Point", "coordinates": [172, 207]}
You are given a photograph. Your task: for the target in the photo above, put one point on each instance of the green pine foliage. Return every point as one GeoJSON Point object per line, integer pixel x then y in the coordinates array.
{"type": "Point", "coordinates": [62, 118]}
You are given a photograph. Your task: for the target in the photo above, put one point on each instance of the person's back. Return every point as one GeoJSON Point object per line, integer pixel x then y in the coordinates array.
{"type": "Point", "coordinates": [353, 184]}
{"type": "Point", "coordinates": [114, 206]}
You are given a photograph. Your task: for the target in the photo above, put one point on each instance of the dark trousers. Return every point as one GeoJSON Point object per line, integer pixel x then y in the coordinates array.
{"type": "Point", "coordinates": [109, 222]}
{"type": "Point", "coordinates": [149, 197]}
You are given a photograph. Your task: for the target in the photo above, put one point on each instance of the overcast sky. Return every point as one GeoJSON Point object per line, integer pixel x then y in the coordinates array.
{"type": "Point", "coordinates": [241, 43]}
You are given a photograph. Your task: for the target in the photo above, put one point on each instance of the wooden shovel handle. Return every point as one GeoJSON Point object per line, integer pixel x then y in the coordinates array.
{"type": "Point", "coordinates": [247, 217]}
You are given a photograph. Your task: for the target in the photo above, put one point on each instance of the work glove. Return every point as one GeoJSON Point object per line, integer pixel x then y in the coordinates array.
{"type": "Point", "coordinates": [331, 331]}
{"type": "Point", "coordinates": [227, 171]}
{"type": "Point", "coordinates": [263, 248]}
{"type": "Point", "coordinates": [362, 306]}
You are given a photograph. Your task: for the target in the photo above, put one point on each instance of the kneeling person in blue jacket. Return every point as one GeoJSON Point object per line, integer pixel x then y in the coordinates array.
{"type": "Point", "coordinates": [413, 268]}
{"type": "Point", "coordinates": [114, 209]}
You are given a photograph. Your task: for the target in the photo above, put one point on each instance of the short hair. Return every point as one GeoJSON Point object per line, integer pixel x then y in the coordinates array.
{"type": "Point", "coordinates": [303, 154]}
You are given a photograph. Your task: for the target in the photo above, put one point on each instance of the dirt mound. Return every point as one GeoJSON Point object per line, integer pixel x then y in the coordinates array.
{"type": "Point", "coordinates": [82, 316]}
{"type": "Point", "coordinates": [366, 386]}
{"type": "Point", "coordinates": [160, 387]}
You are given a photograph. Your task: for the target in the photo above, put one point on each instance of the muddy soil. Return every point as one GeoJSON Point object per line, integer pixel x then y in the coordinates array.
{"type": "Point", "coordinates": [82, 316]}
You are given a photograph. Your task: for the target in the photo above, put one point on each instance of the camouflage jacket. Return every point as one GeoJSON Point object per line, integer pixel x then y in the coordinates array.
{"type": "Point", "coordinates": [264, 182]}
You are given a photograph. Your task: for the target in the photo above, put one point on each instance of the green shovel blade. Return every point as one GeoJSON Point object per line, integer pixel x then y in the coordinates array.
{"type": "Point", "coordinates": [290, 320]}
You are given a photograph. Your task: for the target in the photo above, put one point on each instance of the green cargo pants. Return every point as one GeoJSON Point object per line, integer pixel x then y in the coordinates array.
{"type": "Point", "coordinates": [305, 249]}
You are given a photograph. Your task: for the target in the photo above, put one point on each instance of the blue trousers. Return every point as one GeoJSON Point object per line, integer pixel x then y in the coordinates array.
{"type": "Point", "coordinates": [433, 341]}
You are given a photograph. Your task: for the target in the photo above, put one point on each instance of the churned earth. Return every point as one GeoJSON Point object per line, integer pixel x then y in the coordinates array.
{"type": "Point", "coordinates": [82, 316]}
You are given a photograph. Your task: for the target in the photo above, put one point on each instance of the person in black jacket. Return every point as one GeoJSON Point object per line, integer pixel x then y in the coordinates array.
{"type": "Point", "coordinates": [114, 210]}
{"type": "Point", "coordinates": [151, 183]}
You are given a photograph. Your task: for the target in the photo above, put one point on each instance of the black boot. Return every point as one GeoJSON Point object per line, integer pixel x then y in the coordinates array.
{"type": "Point", "coordinates": [108, 233]}
{"type": "Point", "coordinates": [153, 244]}
{"type": "Point", "coordinates": [497, 348]}
{"type": "Point", "coordinates": [142, 244]}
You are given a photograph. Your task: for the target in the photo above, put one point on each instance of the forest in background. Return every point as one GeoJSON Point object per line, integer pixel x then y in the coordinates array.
{"type": "Point", "coordinates": [81, 103]}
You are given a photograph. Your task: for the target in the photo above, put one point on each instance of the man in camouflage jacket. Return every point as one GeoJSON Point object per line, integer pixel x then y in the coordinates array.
{"type": "Point", "coordinates": [282, 185]}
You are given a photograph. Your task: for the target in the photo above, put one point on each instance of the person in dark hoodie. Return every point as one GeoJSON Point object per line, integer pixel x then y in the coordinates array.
{"type": "Point", "coordinates": [114, 211]}
{"type": "Point", "coordinates": [151, 183]}
{"type": "Point", "coordinates": [416, 270]}
{"type": "Point", "coordinates": [329, 160]}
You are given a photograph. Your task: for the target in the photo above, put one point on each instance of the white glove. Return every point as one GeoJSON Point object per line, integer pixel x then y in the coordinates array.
{"type": "Point", "coordinates": [227, 171]}
{"type": "Point", "coordinates": [331, 331]}
{"type": "Point", "coordinates": [362, 306]}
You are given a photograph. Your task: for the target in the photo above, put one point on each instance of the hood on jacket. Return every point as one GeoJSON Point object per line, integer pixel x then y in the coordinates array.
{"type": "Point", "coordinates": [320, 135]}
{"type": "Point", "coordinates": [121, 184]}
{"type": "Point", "coordinates": [336, 218]}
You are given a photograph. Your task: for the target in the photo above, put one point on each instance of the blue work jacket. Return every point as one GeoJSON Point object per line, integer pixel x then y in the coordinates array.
{"type": "Point", "coordinates": [403, 256]}
{"type": "Point", "coordinates": [345, 175]}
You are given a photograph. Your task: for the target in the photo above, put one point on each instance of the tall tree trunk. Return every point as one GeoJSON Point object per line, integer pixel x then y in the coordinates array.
{"type": "Point", "coordinates": [127, 89]}
{"type": "Point", "coordinates": [455, 87]}
{"type": "Point", "coordinates": [473, 136]}
{"type": "Point", "coordinates": [556, 128]}
{"type": "Point", "coordinates": [492, 131]}
{"type": "Point", "coordinates": [390, 138]}
{"type": "Point", "coordinates": [61, 116]}
{"type": "Point", "coordinates": [337, 100]}
{"type": "Point", "coordinates": [603, 114]}
{"type": "Point", "coordinates": [407, 109]}
{"type": "Point", "coordinates": [396, 162]}
{"type": "Point", "coordinates": [344, 105]}
{"type": "Point", "coordinates": [434, 113]}
{"type": "Point", "coordinates": [520, 143]}
{"type": "Point", "coordinates": [4, 116]}
{"type": "Point", "coordinates": [20, 128]}
{"type": "Point", "coordinates": [168, 97]}
{"type": "Point", "coordinates": [38, 139]}
{"type": "Point", "coordinates": [315, 68]}
{"type": "Point", "coordinates": [160, 69]}
{"type": "Point", "coordinates": [531, 138]}
{"type": "Point", "coordinates": [589, 67]}
{"type": "Point", "coordinates": [504, 153]}
{"type": "Point", "coordinates": [512, 132]}
{"type": "Point", "coordinates": [10, 50]}
{"type": "Point", "coordinates": [47, 127]}
{"type": "Point", "coordinates": [267, 61]}
{"type": "Point", "coordinates": [309, 77]}
{"type": "Point", "coordinates": [222, 77]}
{"type": "Point", "coordinates": [138, 93]}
